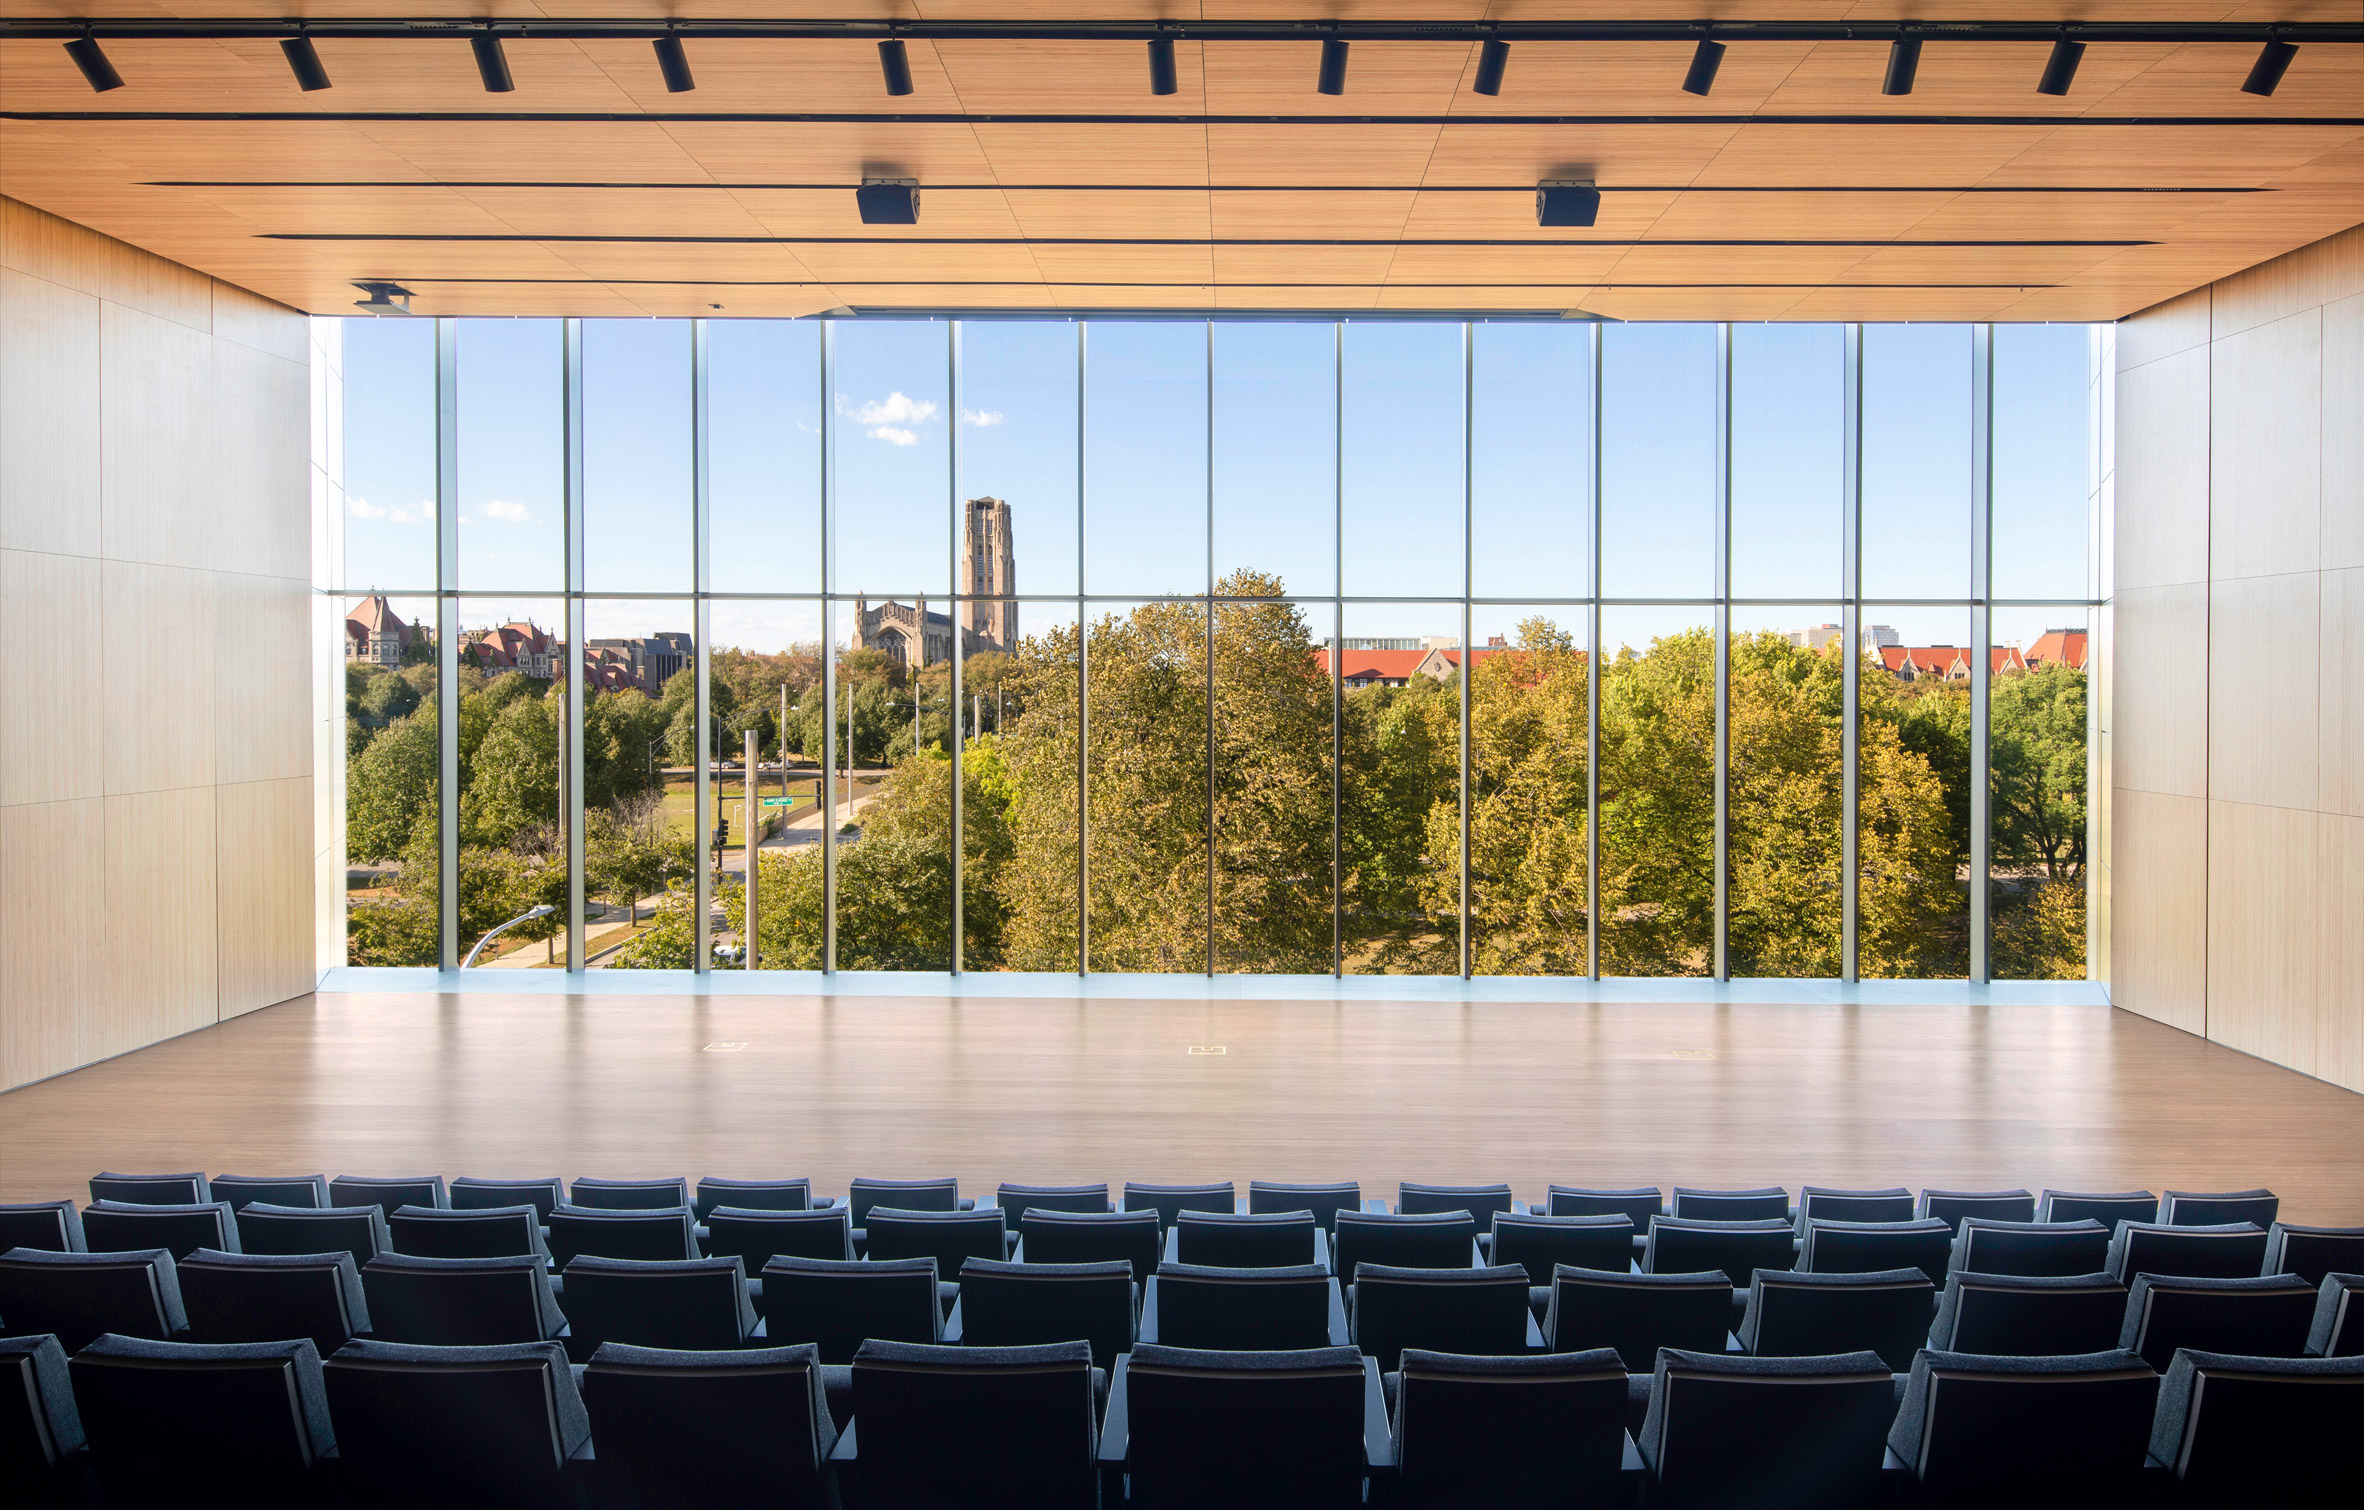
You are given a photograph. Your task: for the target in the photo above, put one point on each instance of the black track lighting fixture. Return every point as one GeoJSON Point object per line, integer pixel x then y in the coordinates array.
{"type": "Point", "coordinates": [894, 61]}
{"type": "Point", "coordinates": [1333, 74]}
{"type": "Point", "coordinates": [1493, 57]}
{"type": "Point", "coordinates": [2273, 61]}
{"type": "Point", "coordinates": [2060, 69]}
{"type": "Point", "coordinates": [673, 63]}
{"type": "Point", "coordinates": [303, 60]}
{"type": "Point", "coordinates": [1706, 58]}
{"type": "Point", "coordinates": [92, 60]}
{"type": "Point", "coordinates": [1567, 201]}
{"type": "Point", "coordinates": [1161, 66]}
{"type": "Point", "coordinates": [888, 201]}
{"type": "Point", "coordinates": [1904, 61]}
{"type": "Point", "coordinates": [492, 64]}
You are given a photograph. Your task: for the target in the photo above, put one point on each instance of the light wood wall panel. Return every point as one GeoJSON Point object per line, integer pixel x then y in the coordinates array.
{"type": "Point", "coordinates": [2264, 645]}
{"type": "Point", "coordinates": [2343, 432]}
{"type": "Point", "coordinates": [52, 871]}
{"type": "Point", "coordinates": [159, 923]}
{"type": "Point", "coordinates": [49, 377]}
{"type": "Point", "coordinates": [2265, 448]}
{"type": "Point", "coordinates": [265, 903]}
{"type": "Point", "coordinates": [2159, 689]}
{"type": "Point", "coordinates": [2159, 907]}
{"type": "Point", "coordinates": [2163, 460]}
{"type": "Point", "coordinates": [2339, 975]}
{"type": "Point", "coordinates": [52, 736]}
{"type": "Point", "coordinates": [2264, 921]}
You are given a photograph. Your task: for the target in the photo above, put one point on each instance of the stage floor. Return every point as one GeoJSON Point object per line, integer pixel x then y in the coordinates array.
{"type": "Point", "coordinates": [1064, 1091]}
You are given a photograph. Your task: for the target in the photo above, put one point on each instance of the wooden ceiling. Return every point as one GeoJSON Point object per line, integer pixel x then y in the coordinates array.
{"type": "Point", "coordinates": [1053, 179]}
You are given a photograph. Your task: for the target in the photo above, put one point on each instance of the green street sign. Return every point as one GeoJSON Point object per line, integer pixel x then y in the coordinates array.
{"type": "Point", "coordinates": [779, 802]}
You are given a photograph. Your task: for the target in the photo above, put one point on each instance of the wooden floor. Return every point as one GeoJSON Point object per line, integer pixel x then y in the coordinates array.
{"type": "Point", "coordinates": [1059, 1091]}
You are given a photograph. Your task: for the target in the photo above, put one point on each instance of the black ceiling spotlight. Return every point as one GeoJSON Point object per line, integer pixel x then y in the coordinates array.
{"type": "Point", "coordinates": [384, 298]}
{"type": "Point", "coordinates": [888, 201]}
{"type": "Point", "coordinates": [1333, 74]}
{"type": "Point", "coordinates": [1706, 58]}
{"type": "Point", "coordinates": [2265, 75]}
{"type": "Point", "coordinates": [92, 60]}
{"type": "Point", "coordinates": [1493, 57]}
{"type": "Point", "coordinates": [492, 64]}
{"type": "Point", "coordinates": [673, 63]}
{"type": "Point", "coordinates": [1904, 60]}
{"type": "Point", "coordinates": [895, 62]}
{"type": "Point", "coordinates": [2060, 70]}
{"type": "Point", "coordinates": [1161, 66]}
{"type": "Point", "coordinates": [303, 60]}
{"type": "Point", "coordinates": [1567, 201]}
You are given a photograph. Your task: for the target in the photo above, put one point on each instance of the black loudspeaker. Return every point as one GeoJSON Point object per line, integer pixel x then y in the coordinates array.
{"type": "Point", "coordinates": [1567, 201]}
{"type": "Point", "coordinates": [888, 201]}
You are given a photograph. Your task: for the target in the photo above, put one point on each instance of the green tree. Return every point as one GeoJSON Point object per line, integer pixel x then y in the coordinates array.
{"type": "Point", "coordinates": [1271, 785]}
{"type": "Point", "coordinates": [628, 854]}
{"type": "Point", "coordinates": [1658, 808]}
{"type": "Point", "coordinates": [1527, 817]}
{"type": "Point", "coordinates": [390, 788]}
{"type": "Point", "coordinates": [1399, 832]}
{"type": "Point", "coordinates": [511, 784]}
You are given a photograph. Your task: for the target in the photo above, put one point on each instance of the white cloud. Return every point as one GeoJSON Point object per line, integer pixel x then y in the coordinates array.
{"type": "Point", "coordinates": [362, 508]}
{"type": "Point", "coordinates": [503, 509]}
{"type": "Point", "coordinates": [895, 437]}
{"type": "Point", "coordinates": [897, 408]}
{"type": "Point", "coordinates": [981, 418]}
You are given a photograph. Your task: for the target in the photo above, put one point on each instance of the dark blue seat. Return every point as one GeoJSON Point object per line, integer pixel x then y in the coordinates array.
{"type": "Point", "coordinates": [242, 1190]}
{"type": "Point", "coordinates": [1984, 1246]}
{"type": "Point", "coordinates": [2262, 1316]}
{"type": "Point", "coordinates": [1823, 1203]}
{"type": "Point", "coordinates": [2216, 1208]}
{"type": "Point", "coordinates": [1764, 1203]}
{"type": "Point", "coordinates": [1196, 1429]}
{"type": "Point", "coordinates": [358, 1230]}
{"type": "Point", "coordinates": [1170, 1201]}
{"type": "Point", "coordinates": [458, 1425]}
{"type": "Point", "coordinates": [1950, 1206]}
{"type": "Point", "coordinates": [696, 1304]}
{"type": "Point", "coordinates": [1428, 1240]}
{"type": "Point", "coordinates": [2228, 1250]}
{"type": "Point", "coordinates": [480, 1232]}
{"type": "Point", "coordinates": [2065, 1432]}
{"type": "Point", "coordinates": [1767, 1433]}
{"type": "Point", "coordinates": [755, 1236]}
{"type": "Point", "coordinates": [1795, 1315]}
{"type": "Point", "coordinates": [628, 1195]}
{"type": "Point", "coordinates": [2338, 1327]}
{"type": "Point", "coordinates": [672, 1427]}
{"type": "Point", "coordinates": [191, 1189]}
{"type": "Point", "coordinates": [1024, 1305]}
{"type": "Point", "coordinates": [1687, 1245]}
{"type": "Point", "coordinates": [41, 1445]}
{"type": "Point", "coordinates": [2028, 1315]}
{"type": "Point", "coordinates": [1531, 1430]}
{"type": "Point", "coordinates": [1541, 1244]}
{"type": "Point", "coordinates": [901, 1195]}
{"type": "Point", "coordinates": [576, 1231]}
{"type": "Point", "coordinates": [271, 1297]}
{"type": "Point", "coordinates": [1056, 1237]}
{"type": "Point", "coordinates": [2312, 1252]}
{"type": "Point", "coordinates": [714, 1193]}
{"type": "Point", "coordinates": [389, 1193]}
{"type": "Point", "coordinates": [1637, 1205]}
{"type": "Point", "coordinates": [255, 1411]}
{"type": "Point", "coordinates": [79, 1296]}
{"type": "Point", "coordinates": [2108, 1208]}
{"type": "Point", "coordinates": [836, 1305]}
{"type": "Point", "coordinates": [460, 1302]}
{"type": "Point", "coordinates": [988, 1427]}
{"type": "Point", "coordinates": [1637, 1314]}
{"type": "Point", "coordinates": [1016, 1200]}
{"type": "Point", "coordinates": [1477, 1312]}
{"type": "Point", "coordinates": [1231, 1240]}
{"type": "Point", "coordinates": [1480, 1201]}
{"type": "Point", "coordinates": [53, 1226]}
{"type": "Point", "coordinates": [1243, 1310]}
{"type": "Point", "coordinates": [2257, 1431]}
{"type": "Point", "coordinates": [1325, 1201]}
{"type": "Point", "coordinates": [123, 1227]}
{"type": "Point", "coordinates": [469, 1193]}
{"type": "Point", "coordinates": [948, 1237]}
{"type": "Point", "coordinates": [1869, 1247]}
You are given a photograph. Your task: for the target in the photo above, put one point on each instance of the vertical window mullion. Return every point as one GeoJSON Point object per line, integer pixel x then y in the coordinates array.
{"type": "Point", "coordinates": [570, 779]}
{"type": "Point", "coordinates": [828, 651]}
{"type": "Point", "coordinates": [1468, 651]}
{"type": "Point", "coordinates": [1083, 669]}
{"type": "Point", "coordinates": [954, 533]}
{"type": "Point", "coordinates": [1723, 654]}
{"type": "Point", "coordinates": [701, 581]}
{"type": "Point", "coordinates": [1982, 486]}
{"type": "Point", "coordinates": [1209, 378]}
{"type": "Point", "coordinates": [1851, 660]}
{"type": "Point", "coordinates": [447, 637]}
{"type": "Point", "coordinates": [1337, 646]}
{"type": "Point", "coordinates": [1592, 682]}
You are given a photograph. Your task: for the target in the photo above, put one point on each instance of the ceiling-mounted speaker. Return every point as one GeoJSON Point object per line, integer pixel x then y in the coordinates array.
{"type": "Point", "coordinates": [1567, 201]}
{"type": "Point", "coordinates": [888, 201]}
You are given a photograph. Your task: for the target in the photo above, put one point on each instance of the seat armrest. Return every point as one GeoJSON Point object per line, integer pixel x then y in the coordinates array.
{"type": "Point", "coordinates": [826, 1202]}
{"type": "Point", "coordinates": [1338, 1334]}
{"type": "Point", "coordinates": [1630, 1466]}
{"type": "Point", "coordinates": [1147, 1330]}
{"type": "Point", "coordinates": [1321, 1248]}
{"type": "Point", "coordinates": [968, 1203]}
{"type": "Point", "coordinates": [1477, 1260]}
{"type": "Point", "coordinates": [581, 1469]}
{"type": "Point", "coordinates": [1375, 1206]}
{"type": "Point", "coordinates": [1114, 1437]}
{"type": "Point", "coordinates": [845, 1451]}
{"type": "Point", "coordinates": [1018, 1248]}
{"type": "Point", "coordinates": [1534, 1333]}
{"type": "Point", "coordinates": [952, 1327]}
{"type": "Point", "coordinates": [1171, 1245]}
{"type": "Point", "coordinates": [1485, 1242]}
{"type": "Point", "coordinates": [762, 1329]}
{"type": "Point", "coordinates": [1378, 1436]}
{"type": "Point", "coordinates": [1733, 1344]}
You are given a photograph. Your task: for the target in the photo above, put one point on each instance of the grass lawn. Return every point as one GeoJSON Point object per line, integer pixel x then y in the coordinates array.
{"type": "Point", "coordinates": [681, 795]}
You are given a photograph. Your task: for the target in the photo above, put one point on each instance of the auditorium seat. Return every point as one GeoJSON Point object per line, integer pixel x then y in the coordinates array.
{"type": "Point", "coordinates": [1480, 1201]}
{"type": "Point", "coordinates": [835, 1304]}
{"type": "Point", "coordinates": [901, 1195]}
{"type": "Point", "coordinates": [251, 1418]}
{"type": "Point", "coordinates": [78, 1296]}
{"type": "Point", "coordinates": [53, 1226]}
{"type": "Point", "coordinates": [2050, 1433]}
{"type": "Point", "coordinates": [495, 1426]}
{"type": "Point", "coordinates": [272, 1190]}
{"type": "Point", "coordinates": [2232, 1250]}
{"type": "Point", "coordinates": [1809, 1315]}
{"type": "Point", "coordinates": [628, 1195]}
{"type": "Point", "coordinates": [2259, 1431]}
{"type": "Point", "coordinates": [1243, 1310]}
{"type": "Point", "coordinates": [2204, 1208]}
{"type": "Point", "coordinates": [1325, 1201]}
{"type": "Point", "coordinates": [1052, 1237]}
{"type": "Point", "coordinates": [1016, 1200]}
{"type": "Point", "coordinates": [1637, 1314]}
{"type": "Point", "coordinates": [1867, 1247]}
{"type": "Point", "coordinates": [389, 1193]}
{"type": "Point", "coordinates": [1689, 1245]}
{"type": "Point", "coordinates": [1024, 1305]}
{"type": "Point", "coordinates": [2028, 1315]}
{"type": "Point", "coordinates": [995, 1428]}
{"type": "Point", "coordinates": [1821, 1203]}
{"type": "Point", "coordinates": [579, 1230]}
{"type": "Point", "coordinates": [1636, 1205]}
{"type": "Point", "coordinates": [755, 1237]}
{"type": "Point", "coordinates": [696, 1304]}
{"type": "Point", "coordinates": [1194, 1428]}
{"type": "Point", "coordinates": [460, 1302]}
{"type": "Point", "coordinates": [152, 1189]}
{"type": "Point", "coordinates": [1983, 1246]}
{"type": "Point", "coordinates": [1770, 1202]}
{"type": "Point", "coordinates": [2263, 1316]}
{"type": "Point", "coordinates": [2107, 1209]}
{"type": "Point", "coordinates": [358, 1230]}
{"type": "Point", "coordinates": [1438, 1240]}
{"type": "Point", "coordinates": [945, 1236]}
{"type": "Point", "coordinates": [2312, 1252]}
{"type": "Point", "coordinates": [1541, 1244]}
{"type": "Point", "coordinates": [125, 1227]}
{"type": "Point", "coordinates": [1950, 1206]}
{"type": "Point", "coordinates": [1724, 1430]}
{"type": "Point", "coordinates": [486, 1232]}
{"type": "Point", "coordinates": [674, 1429]}
{"type": "Point", "coordinates": [2338, 1327]}
{"type": "Point", "coordinates": [1481, 1312]}
{"type": "Point", "coordinates": [1509, 1431]}
{"type": "Point", "coordinates": [713, 1193]}
{"type": "Point", "coordinates": [41, 1446]}
{"type": "Point", "coordinates": [469, 1193]}
{"type": "Point", "coordinates": [1232, 1240]}
{"type": "Point", "coordinates": [270, 1297]}
{"type": "Point", "coordinates": [1170, 1201]}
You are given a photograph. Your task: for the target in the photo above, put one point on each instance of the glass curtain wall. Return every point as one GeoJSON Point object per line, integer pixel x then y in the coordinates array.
{"type": "Point", "coordinates": [1175, 645]}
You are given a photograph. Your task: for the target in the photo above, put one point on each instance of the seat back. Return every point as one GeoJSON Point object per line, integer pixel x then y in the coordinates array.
{"type": "Point", "coordinates": [1025, 1305]}
{"type": "Point", "coordinates": [1016, 1200]}
{"type": "Point", "coordinates": [755, 1236]}
{"type": "Point", "coordinates": [901, 1195]}
{"type": "Point", "coordinates": [1950, 1206]}
{"type": "Point", "coordinates": [695, 1304]}
{"type": "Point", "coordinates": [1868, 1247]}
{"type": "Point", "coordinates": [1982, 1246]}
{"type": "Point", "coordinates": [414, 1424]}
{"type": "Point", "coordinates": [1265, 1428]}
{"type": "Point", "coordinates": [1508, 1430]}
{"type": "Point", "coordinates": [1135, 1237]}
{"type": "Point", "coordinates": [78, 1296]}
{"type": "Point", "coordinates": [1541, 1244]}
{"type": "Point", "coordinates": [51, 1226]}
{"type": "Point", "coordinates": [1636, 1205]}
{"type": "Point", "coordinates": [2260, 1430]}
{"type": "Point", "coordinates": [1686, 1245]}
{"type": "Point", "coordinates": [576, 1231]}
{"type": "Point", "coordinates": [469, 1193]}
{"type": "Point", "coordinates": [2312, 1252]}
{"type": "Point", "coordinates": [1811, 1315]}
{"type": "Point", "coordinates": [460, 1302]}
{"type": "Point", "coordinates": [2107, 1208]}
{"type": "Point", "coordinates": [945, 1236]}
{"type": "Point", "coordinates": [714, 1193]}
{"type": "Point", "coordinates": [486, 1232]}
{"type": "Point", "coordinates": [121, 1227]}
{"type": "Point", "coordinates": [837, 1305]}
{"type": "Point", "coordinates": [257, 1297]}
{"type": "Point", "coordinates": [1430, 1240]}
{"type": "Point", "coordinates": [389, 1193]}
{"type": "Point", "coordinates": [1170, 1201]}
{"type": "Point", "coordinates": [1822, 1203]}
{"type": "Point", "coordinates": [2029, 1315]}
{"type": "Point", "coordinates": [2215, 1208]}
{"type": "Point", "coordinates": [1477, 1312]}
{"type": "Point", "coordinates": [2231, 1250]}
{"type": "Point", "coordinates": [1767, 1432]}
{"type": "Point", "coordinates": [628, 1195]}
{"type": "Point", "coordinates": [2263, 1316]}
{"type": "Point", "coordinates": [152, 1189]}
{"type": "Point", "coordinates": [272, 1190]}
{"type": "Point", "coordinates": [2338, 1328]}
{"type": "Point", "coordinates": [153, 1410]}
{"type": "Point", "coordinates": [40, 1431]}
{"type": "Point", "coordinates": [977, 1426]}
{"type": "Point", "coordinates": [1239, 1310]}
{"type": "Point", "coordinates": [1227, 1240]}
{"type": "Point", "coordinates": [2076, 1426]}
{"type": "Point", "coordinates": [358, 1230]}
{"type": "Point", "coordinates": [1766, 1203]}
{"type": "Point", "coordinates": [1267, 1197]}
{"type": "Point", "coordinates": [1480, 1201]}
{"type": "Point", "coordinates": [1637, 1314]}
{"type": "Point", "coordinates": [666, 1421]}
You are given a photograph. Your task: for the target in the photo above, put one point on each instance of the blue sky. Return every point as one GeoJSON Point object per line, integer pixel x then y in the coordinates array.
{"type": "Point", "coordinates": [1274, 411]}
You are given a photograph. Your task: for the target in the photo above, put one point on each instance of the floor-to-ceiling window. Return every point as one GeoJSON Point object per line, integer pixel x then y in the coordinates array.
{"type": "Point", "coordinates": [1374, 646]}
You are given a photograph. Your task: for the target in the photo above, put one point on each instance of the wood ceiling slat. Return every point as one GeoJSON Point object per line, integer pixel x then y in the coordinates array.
{"type": "Point", "coordinates": [1866, 215]}
{"type": "Point", "coordinates": [1050, 212]}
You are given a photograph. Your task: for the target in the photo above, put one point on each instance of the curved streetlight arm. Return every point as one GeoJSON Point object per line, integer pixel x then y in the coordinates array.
{"type": "Point", "coordinates": [526, 916]}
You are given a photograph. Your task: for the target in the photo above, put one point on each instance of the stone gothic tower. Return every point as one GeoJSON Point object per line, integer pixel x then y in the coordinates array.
{"type": "Point", "coordinates": [989, 568]}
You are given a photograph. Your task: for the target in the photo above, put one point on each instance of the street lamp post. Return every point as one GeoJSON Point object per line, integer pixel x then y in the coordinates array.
{"type": "Point", "coordinates": [527, 916]}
